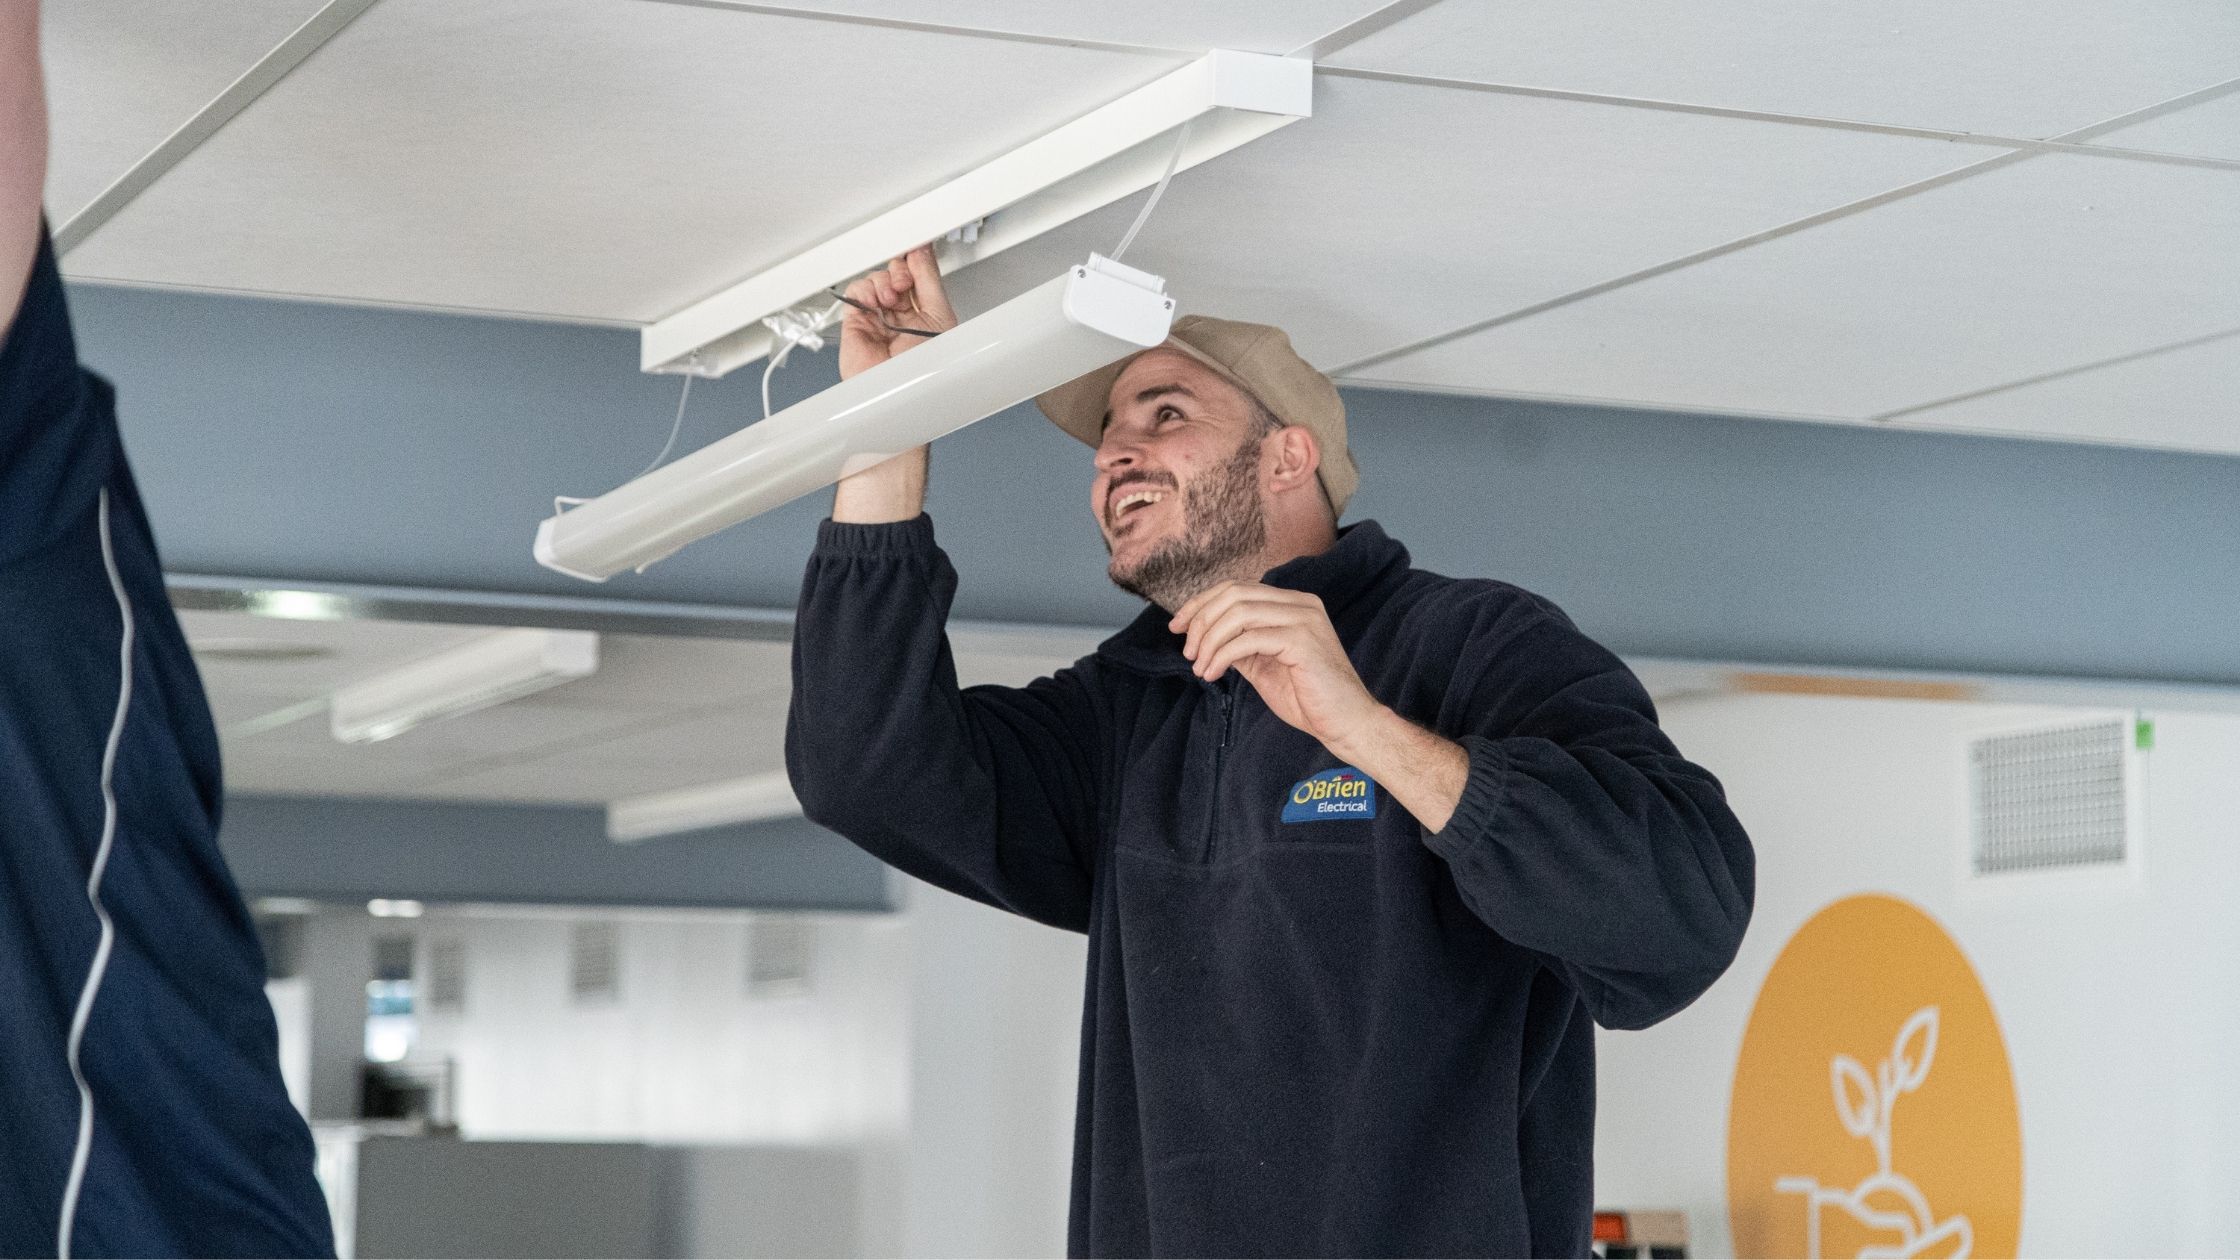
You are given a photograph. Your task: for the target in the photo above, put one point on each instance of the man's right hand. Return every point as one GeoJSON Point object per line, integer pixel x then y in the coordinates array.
{"type": "Point", "coordinates": [907, 294]}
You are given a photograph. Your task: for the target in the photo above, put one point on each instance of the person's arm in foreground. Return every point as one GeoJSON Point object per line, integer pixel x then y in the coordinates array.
{"type": "Point", "coordinates": [1571, 824]}
{"type": "Point", "coordinates": [142, 1109]}
{"type": "Point", "coordinates": [990, 792]}
{"type": "Point", "coordinates": [23, 151]}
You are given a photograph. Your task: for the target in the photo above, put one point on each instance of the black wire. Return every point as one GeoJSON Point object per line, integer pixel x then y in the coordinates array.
{"type": "Point", "coordinates": [915, 332]}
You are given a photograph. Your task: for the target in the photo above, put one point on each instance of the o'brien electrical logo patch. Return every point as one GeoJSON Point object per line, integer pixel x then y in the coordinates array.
{"type": "Point", "coordinates": [1331, 796]}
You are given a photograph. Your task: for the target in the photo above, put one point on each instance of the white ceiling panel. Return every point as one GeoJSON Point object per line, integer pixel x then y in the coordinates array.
{"type": "Point", "coordinates": [660, 712]}
{"type": "Point", "coordinates": [1398, 212]}
{"type": "Point", "coordinates": [124, 74]}
{"type": "Point", "coordinates": [2187, 399]}
{"type": "Point", "coordinates": [593, 159]}
{"type": "Point", "coordinates": [285, 772]}
{"type": "Point", "coordinates": [549, 721]}
{"type": "Point", "coordinates": [1269, 26]}
{"type": "Point", "coordinates": [2022, 68]}
{"type": "Point", "coordinates": [2210, 129]}
{"type": "Point", "coordinates": [239, 653]}
{"type": "Point", "coordinates": [642, 670]}
{"type": "Point", "coordinates": [732, 742]}
{"type": "Point", "coordinates": [2047, 264]}
{"type": "Point", "coordinates": [576, 780]}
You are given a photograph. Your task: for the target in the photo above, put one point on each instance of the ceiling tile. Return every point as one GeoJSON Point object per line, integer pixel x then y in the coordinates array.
{"type": "Point", "coordinates": [735, 738]}
{"type": "Point", "coordinates": [579, 781]}
{"type": "Point", "coordinates": [2046, 264]}
{"type": "Point", "coordinates": [1270, 26]}
{"type": "Point", "coordinates": [2210, 129]}
{"type": "Point", "coordinates": [704, 748]}
{"type": "Point", "coordinates": [124, 74]}
{"type": "Point", "coordinates": [2022, 68]}
{"type": "Point", "coordinates": [583, 158]}
{"type": "Point", "coordinates": [1398, 212]}
{"type": "Point", "coordinates": [226, 644]}
{"type": "Point", "coordinates": [307, 769]}
{"type": "Point", "coordinates": [2186, 399]}
{"type": "Point", "coordinates": [503, 733]}
{"type": "Point", "coordinates": [644, 671]}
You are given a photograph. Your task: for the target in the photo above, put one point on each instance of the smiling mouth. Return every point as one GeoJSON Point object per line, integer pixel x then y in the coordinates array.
{"type": "Point", "coordinates": [1125, 507]}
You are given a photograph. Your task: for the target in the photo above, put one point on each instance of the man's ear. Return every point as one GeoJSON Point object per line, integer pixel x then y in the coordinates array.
{"type": "Point", "coordinates": [1298, 458]}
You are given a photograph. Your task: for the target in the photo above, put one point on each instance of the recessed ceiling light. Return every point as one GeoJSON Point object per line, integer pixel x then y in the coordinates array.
{"type": "Point", "coordinates": [258, 650]}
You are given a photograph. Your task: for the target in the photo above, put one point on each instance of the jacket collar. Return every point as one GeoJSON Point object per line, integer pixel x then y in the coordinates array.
{"type": "Point", "coordinates": [1362, 562]}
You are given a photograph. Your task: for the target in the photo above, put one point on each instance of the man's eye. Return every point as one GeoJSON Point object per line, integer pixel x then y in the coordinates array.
{"type": "Point", "coordinates": [1169, 413]}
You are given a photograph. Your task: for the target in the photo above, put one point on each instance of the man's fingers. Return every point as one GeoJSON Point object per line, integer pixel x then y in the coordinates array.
{"type": "Point", "coordinates": [853, 319]}
{"type": "Point", "coordinates": [1209, 613]}
{"type": "Point", "coordinates": [1259, 641]}
{"type": "Point", "coordinates": [1209, 605]}
{"type": "Point", "coordinates": [1243, 617]}
{"type": "Point", "coordinates": [1209, 600]}
{"type": "Point", "coordinates": [925, 281]}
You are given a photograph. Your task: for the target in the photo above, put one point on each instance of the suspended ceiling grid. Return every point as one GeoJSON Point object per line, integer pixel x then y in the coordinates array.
{"type": "Point", "coordinates": [2012, 217]}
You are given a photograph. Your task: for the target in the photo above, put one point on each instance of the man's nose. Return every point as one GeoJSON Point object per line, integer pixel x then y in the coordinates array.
{"type": "Point", "coordinates": [1116, 454]}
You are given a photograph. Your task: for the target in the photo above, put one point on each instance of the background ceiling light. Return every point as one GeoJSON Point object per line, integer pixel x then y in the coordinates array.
{"type": "Point", "coordinates": [1093, 314]}
{"type": "Point", "coordinates": [752, 799]}
{"type": "Point", "coordinates": [500, 666]}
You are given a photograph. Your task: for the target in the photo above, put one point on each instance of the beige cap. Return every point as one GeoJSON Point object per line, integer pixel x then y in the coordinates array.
{"type": "Point", "coordinates": [1257, 359]}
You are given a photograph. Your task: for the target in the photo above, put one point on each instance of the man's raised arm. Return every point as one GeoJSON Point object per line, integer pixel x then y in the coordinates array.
{"type": "Point", "coordinates": [906, 295]}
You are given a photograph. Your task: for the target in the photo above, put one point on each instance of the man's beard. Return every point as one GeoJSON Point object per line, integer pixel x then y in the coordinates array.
{"type": "Point", "coordinates": [1223, 525]}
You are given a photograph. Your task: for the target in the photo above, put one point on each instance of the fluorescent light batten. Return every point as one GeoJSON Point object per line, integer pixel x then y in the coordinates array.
{"type": "Point", "coordinates": [491, 669]}
{"type": "Point", "coordinates": [1228, 98]}
{"type": "Point", "coordinates": [756, 798]}
{"type": "Point", "coordinates": [1094, 314]}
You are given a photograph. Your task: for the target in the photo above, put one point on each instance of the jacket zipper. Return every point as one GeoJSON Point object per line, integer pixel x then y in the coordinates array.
{"type": "Point", "coordinates": [1213, 794]}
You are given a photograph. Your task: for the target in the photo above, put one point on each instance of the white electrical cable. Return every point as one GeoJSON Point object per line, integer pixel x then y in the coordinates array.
{"type": "Point", "coordinates": [84, 1148]}
{"type": "Point", "coordinates": [1181, 138]}
{"type": "Point", "coordinates": [794, 327]}
{"type": "Point", "coordinates": [676, 426]}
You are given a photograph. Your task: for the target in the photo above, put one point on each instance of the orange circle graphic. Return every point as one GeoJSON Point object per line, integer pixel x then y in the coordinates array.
{"type": "Point", "coordinates": [1874, 1109]}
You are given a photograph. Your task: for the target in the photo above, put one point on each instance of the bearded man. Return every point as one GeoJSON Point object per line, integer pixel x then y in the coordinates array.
{"type": "Point", "coordinates": [1362, 852]}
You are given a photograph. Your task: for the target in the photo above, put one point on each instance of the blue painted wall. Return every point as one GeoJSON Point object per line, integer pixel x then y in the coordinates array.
{"type": "Point", "coordinates": [285, 440]}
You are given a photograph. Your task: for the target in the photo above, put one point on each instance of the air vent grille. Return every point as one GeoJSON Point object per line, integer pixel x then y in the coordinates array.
{"type": "Point", "coordinates": [2051, 798]}
{"type": "Point", "coordinates": [447, 974]}
{"type": "Point", "coordinates": [595, 964]}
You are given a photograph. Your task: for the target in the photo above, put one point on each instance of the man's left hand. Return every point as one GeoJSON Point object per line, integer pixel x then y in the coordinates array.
{"type": "Point", "coordinates": [1284, 645]}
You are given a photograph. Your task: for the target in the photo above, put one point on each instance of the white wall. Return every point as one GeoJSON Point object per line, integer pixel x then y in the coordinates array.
{"type": "Point", "coordinates": [684, 1055]}
{"type": "Point", "coordinates": [2115, 997]}
{"type": "Point", "coordinates": [935, 1051]}
{"type": "Point", "coordinates": [996, 1024]}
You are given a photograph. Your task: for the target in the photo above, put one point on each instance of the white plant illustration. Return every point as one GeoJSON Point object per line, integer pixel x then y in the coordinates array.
{"type": "Point", "coordinates": [1886, 1201]}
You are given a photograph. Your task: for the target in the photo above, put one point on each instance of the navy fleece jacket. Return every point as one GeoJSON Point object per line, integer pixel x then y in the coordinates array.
{"type": "Point", "coordinates": [1311, 1027]}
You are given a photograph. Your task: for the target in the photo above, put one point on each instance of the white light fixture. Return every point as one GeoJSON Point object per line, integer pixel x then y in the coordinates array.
{"type": "Point", "coordinates": [1092, 315]}
{"type": "Point", "coordinates": [752, 799]}
{"type": "Point", "coordinates": [1227, 98]}
{"type": "Point", "coordinates": [395, 908]}
{"type": "Point", "coordinates": [492, 669]}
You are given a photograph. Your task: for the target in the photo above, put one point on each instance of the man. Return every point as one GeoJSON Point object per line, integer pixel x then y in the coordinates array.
{"type": "Point", "coordinates": [141, 1106]}
{"type": "Point", "coordinates": [1360, 849]}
